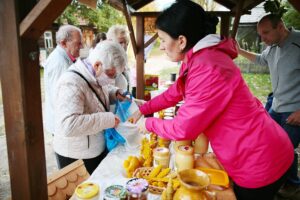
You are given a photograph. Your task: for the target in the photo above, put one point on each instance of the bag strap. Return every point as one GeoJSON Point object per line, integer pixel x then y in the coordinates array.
{"type": "Point", "coordinates": [103, 104]}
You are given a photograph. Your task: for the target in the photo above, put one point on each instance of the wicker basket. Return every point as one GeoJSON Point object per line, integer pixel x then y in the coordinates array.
{"type": "Point", "coordinates": [144, 172]}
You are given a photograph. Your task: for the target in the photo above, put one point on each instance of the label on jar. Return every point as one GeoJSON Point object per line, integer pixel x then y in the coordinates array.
{"type": "Point", "coordinates": [115, 192]}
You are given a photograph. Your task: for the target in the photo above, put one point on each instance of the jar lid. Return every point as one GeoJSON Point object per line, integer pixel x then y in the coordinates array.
{"type": "Point", "coordinates": [115, 192]}
{"type": "Point", "coordinates": [87, 190]}
{"type": "Point", "coordinates": [161, 151]}
{"type": "Point", "coordinates": [185, 149]}
{"type": "Point", "coordinates": [137, 185]}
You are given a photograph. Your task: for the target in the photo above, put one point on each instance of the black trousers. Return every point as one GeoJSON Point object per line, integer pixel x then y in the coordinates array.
{"type": "Point", "coordinates": [90, 164]}
{"type": "Point", "coordinates": [264, 193]}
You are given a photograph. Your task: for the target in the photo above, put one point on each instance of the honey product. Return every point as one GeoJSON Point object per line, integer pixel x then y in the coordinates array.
{"type": "Point", "coordinates": [184, 157]}
{"type": "Point", "coordinates": [87, 191]}
{"type": "Point", "coordinates": [161, 157]}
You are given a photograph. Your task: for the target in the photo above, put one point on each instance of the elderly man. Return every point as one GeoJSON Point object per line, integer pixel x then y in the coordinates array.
{"type": "Point", "coordinates": [283, 58]}
{"type": "Point", "coordinates": [120, 34]}
{"type": "Point", "coordinates": [68, 39]}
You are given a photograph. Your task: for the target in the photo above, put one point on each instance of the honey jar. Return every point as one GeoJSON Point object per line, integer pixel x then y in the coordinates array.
{"type": "Point", "coordinates": [161, 156]}
{"type": "Point", "coordinates": [184, 157]}
{"type": "Point", "coordinates": [137, 189]}
{"type": "Point", "coordinates": [181, 142]}
{"type": "Point", "coordinates": [201, 144]}
{"type": "Point", "coordinates": [87, 191]}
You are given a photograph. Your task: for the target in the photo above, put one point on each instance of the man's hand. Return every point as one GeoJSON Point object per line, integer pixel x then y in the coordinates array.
{"type": "Point", "coordinates": [135, 117]}
{"type": "Point", "coordinates": [294, 118]}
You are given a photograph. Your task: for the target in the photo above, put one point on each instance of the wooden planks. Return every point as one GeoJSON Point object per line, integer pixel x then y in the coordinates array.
{"type": "Point", "coordinates": [20, 81]}
{"type": "Point", "coordinates": [41, 16]}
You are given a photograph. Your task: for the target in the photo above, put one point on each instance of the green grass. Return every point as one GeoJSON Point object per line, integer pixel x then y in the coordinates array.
{"type": "Point", "coordinates": [259, 84]}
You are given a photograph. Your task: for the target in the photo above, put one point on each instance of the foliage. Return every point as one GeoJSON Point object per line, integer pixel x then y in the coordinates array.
{"type": "Point", "coordinates": [275, 7]}
{"type": "Point", "coordinates": [102, 17]}
{"type": "Point", "coordinates": [291, 17]}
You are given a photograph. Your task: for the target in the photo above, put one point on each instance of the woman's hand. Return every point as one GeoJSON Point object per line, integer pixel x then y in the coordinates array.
{"type": "Point", "coordinates": [139, 102]}
{"type": "Point", "coordinates": [135, 117]}
{"type": "Point", "coordinates": [142, 126]}
{"type": "Point", "coordinates": [117, 121]}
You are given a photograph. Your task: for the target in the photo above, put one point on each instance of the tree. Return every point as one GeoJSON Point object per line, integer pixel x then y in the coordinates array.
{"type": "Point", "coordinates": [291, 17]}
{"type": "Point", "coordinates": [102, 17]}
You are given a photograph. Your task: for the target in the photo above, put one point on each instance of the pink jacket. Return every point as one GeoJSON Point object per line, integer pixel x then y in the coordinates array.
{"type": "Point", "coordinates": [253, 149]}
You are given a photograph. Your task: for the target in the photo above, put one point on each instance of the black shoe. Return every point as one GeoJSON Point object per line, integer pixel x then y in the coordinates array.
{"type": "Point", "coordinates": [289, 190]}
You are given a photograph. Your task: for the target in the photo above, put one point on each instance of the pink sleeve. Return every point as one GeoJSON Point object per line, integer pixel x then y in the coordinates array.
{"type": "Point", "coordinates": [206, 97]}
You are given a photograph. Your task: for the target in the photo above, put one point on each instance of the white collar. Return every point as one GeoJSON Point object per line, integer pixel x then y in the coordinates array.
{"type": "Point", "coordinates": [207, 41]}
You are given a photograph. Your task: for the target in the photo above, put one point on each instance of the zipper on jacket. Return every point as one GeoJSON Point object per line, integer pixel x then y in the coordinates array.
{"type": "Point", "coordinates": [88, 141]}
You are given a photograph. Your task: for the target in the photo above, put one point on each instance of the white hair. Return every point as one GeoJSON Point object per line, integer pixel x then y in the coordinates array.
{"type": "Point", "coordinates": [110, 54]}
{"type": "Point", "coordinates": [64, 33]}
{"type": "Point", "coordinates": [116, 31]}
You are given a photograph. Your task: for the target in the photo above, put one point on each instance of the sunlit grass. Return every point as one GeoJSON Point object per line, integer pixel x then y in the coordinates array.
{"type": "Point", "coordinates": [259, 84]}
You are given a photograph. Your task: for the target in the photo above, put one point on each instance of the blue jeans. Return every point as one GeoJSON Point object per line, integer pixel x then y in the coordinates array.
{"type": "Point", "coordinates": [294, 134]}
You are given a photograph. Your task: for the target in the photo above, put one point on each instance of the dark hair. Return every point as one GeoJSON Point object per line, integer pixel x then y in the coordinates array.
{"type": "Point", "coordinates": [273, 18]}
{"type": "Point", "coordinates": [187, 18]}
{"type": "Point", "coordinates": [99, 37]}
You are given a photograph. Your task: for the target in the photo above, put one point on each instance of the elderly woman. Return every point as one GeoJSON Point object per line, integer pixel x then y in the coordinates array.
{"type": "Point", "coordinates": [81, 107]}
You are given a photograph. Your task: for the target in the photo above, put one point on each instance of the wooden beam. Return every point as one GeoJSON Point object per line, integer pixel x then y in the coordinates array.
{"type": "Point", "coordinates": [225, 23]}
{"type": "Point", "coordinates": [139, 4]}
{"type": "Point", "coordinates": [155, 14]}
{"type": "Point", "coordinates": [39, 18]}
{"type": "Point", "coordinates": [130, 27]}
{"type": "Point", "coordinates": [295, 4]}
{"type": "Point", "coordinates": [140, 82]}
{"type": "Point", "coordinates": [20, 81]}
{"type": "Point", "coordinates": [237, 17]}
{"type": "Point", "coordinates": [152, 39]}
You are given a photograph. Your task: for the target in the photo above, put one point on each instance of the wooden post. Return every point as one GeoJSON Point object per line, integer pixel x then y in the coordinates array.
{"type": "Point", "coordinates": [20, 81]}
{"type": "Point", "coordinates": [130, 27]}
{"type": "Point", "coordinates": [239, 11]}
{"type": "Point", "coordinates": [225, 22]}
{"type": "Point", "coordinates": [140, 86]}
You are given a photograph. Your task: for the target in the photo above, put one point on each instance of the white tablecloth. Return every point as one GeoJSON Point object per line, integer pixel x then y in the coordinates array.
{"type": "Point", "coordinates": [111, 171]}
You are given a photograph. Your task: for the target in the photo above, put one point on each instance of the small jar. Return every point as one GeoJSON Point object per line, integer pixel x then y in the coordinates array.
{"type": "Point", "coordinates": [161, 156]}
{"type": "Point", "coordinates": [115, 192]}
{"type": "Point", "coordinates": [137, 189]}
{"type": "Point", "coordinates": [181, 142]}
{"type": "Point", "coordinates": [184, 157]}
{"type": "Point", "coordinates": [201, 144]}
{"type": "Point", "coordinates": [87, 191]}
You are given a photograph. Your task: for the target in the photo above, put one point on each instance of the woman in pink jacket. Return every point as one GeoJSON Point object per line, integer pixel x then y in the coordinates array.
{"type": "Point", "coordinates": [254, 150]}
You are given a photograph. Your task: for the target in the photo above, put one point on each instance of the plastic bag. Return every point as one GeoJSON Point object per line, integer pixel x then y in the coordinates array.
{"type": "Point", "coordinates": [125, 108]}
{"type": "Point", "coordinates": [112, 138]}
